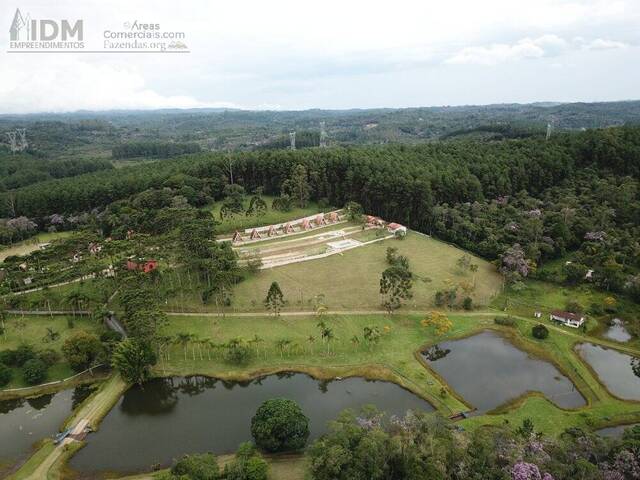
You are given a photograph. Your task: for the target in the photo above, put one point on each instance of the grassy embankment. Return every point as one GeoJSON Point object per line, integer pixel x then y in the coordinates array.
{"type": "Point", "coordinates": [49, 460]}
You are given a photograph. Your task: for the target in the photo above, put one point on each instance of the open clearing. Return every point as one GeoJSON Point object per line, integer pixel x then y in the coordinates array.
{"type": "Point", "coordinates": [350, 280]}
{"type": "Point", "coordinates": [30, 245]}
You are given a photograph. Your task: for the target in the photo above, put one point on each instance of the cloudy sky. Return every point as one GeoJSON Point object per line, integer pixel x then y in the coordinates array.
{"type": "Point", "coordinates": [282, 54]}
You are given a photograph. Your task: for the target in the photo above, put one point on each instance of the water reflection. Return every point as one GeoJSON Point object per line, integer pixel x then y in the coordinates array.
{"type": "Point", "coordinates": [614, 369]}
{"type": "Point", "coordinates": [25, 421]}
{"type": "Point", "coordinates": [487, 371]}
{"type": "Point", "coordinates": [170, 417]}
{"type": "Point", "coordinates": [617, 331]}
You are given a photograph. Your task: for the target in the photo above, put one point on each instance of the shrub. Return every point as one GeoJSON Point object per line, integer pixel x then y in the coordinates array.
{"type": "Point", "coordinates": [199, 466]}
{"type": "Point", "coordinates": [8, 357]}
{"type": "Point", "coordinates": [574, 306]}
{"type": "Point", "coordinates": [467, 303]}
{"type": "Point", "coordinates": [540, 331]}
{"type": "Point", "coordinates": [440, 298]}
{"type": "Point", "coordinates": [5, 374]}
{"type": "Point", "coordinates": [279, 425]}
{"type": "Point", "coordinates": [82, 350]}
{"type": "Point", "coordinates": [49, 356]}
{"type": "Point", "coordinates": [34, 371]}
{"type": "Point", "coordinates": [110, 336]}
{"type": "Point", "coordinates": [505, 321]}
{"type": "Point", "coordinates": [23, 354]}
{"type": "Point", "coordinates": [237, 352]}
{"type": "Point", "coordinates": [247, 465]}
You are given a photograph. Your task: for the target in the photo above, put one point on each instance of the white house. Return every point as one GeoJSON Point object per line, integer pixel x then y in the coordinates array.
{"type": "Point", "coordinates": [567, 318]}
{"type": "Point", "coordinates": [397, 229]}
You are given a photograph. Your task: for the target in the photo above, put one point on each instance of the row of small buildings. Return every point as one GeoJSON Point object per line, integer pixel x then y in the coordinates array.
{"type": "Point", "coordinates": [303, 224]}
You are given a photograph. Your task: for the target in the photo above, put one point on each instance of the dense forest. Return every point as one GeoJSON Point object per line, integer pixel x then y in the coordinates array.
{"type": "Point", "coordinates": [574, 193]}
{"type": "Point", "coordinates": [153, 149]}
{"type": "Point", "coordinates": [32, 167]}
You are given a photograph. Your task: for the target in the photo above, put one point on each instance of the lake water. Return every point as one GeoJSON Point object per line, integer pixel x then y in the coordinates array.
{"type": "Point", "coordinates": [614, 432]}
{"type": "Point", "coordinates": [613, 369]}
{"type": "Point", "coordinates": [617, 332]}
{"type": "Point", "coordinates": [170, 417]}
{"type": "Point", "coordinates": [487, 371]}
{"type": "Point", "coordinates": [25, 421]}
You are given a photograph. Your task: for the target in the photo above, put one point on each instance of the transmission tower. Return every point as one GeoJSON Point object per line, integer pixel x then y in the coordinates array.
{"type": "Point", "coordinates": [292, 138]}
{"type": "Point", "coordinates": [22, 132]}
{"type": "Point", "coordinates": [549, 129]}
{"type": "Point", "coordinates": [18, 140]}
{"type": "Point", "coordinates": [12, 141]}
{"type": "Point", "coordinates": [323, 135]}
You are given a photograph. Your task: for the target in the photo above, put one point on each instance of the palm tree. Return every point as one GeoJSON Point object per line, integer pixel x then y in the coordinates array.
{"type": "Point", "coordinates": [195, 340]}
{"type": "Point", "coordinates": [184, 339]}
{"type": "Point", "coordinates": [256, 340]}
{"type": "Point", "coordinates": [328, 335]}
{"type": "Point", "coordinates": [311, 339]}
{"type": "Point", "coordinates": [282, 345]}
{"type": "Point", "coordinates": [209, 345]}
{"type": "Point", "coordinates": [296, 348]}
{"type": "Point", "coordinates": [323, 329]}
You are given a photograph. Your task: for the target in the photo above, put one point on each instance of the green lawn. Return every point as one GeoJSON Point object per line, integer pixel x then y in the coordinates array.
{"type": "Point", "coordinates": [34, 332]}
{"type": "Point", "coordinates": [241, 222]}
{"type": "Point", "coordinates": [350, 281]}
{"type": "Point", "coordinates": [545, 297]}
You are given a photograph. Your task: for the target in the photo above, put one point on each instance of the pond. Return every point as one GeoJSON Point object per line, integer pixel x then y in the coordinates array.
{"type": "Point", "coordinates": [173, 416]}
{"type": "Point", "coordinates": [614, 432]}
{"type": "Point", "coordinates": [25, 421]}
{"type": "Point", "coordinates": [487, 371]}
{"type": "Point", "coordinates": [617, 332]}
{"type": "Point", "coordinates": [613, 369]}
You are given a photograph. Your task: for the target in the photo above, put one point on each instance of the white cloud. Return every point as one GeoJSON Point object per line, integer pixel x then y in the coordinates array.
{"type": "Point", "coordinates": [544, 46]}
{"type": "Point", "coordinates": [67, 84]}
{"type": "Point", "coordinates": [604, 44]}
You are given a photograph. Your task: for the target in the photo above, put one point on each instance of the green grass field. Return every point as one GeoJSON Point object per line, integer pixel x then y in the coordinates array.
{"type": "Point", "coordinates": [34, 332]}
{"type": "Point", "coordinates": [350, 281]}
{"type": "Point", "coordinates": [240, 222]}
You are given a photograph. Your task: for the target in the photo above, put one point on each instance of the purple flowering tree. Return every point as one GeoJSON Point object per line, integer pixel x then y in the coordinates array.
{"type": "Point", "coordinates": [528, 471]}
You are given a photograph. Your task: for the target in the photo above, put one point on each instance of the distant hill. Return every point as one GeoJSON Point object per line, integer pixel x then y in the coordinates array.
{"type": "Point", "coordinates": [227, 129]}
